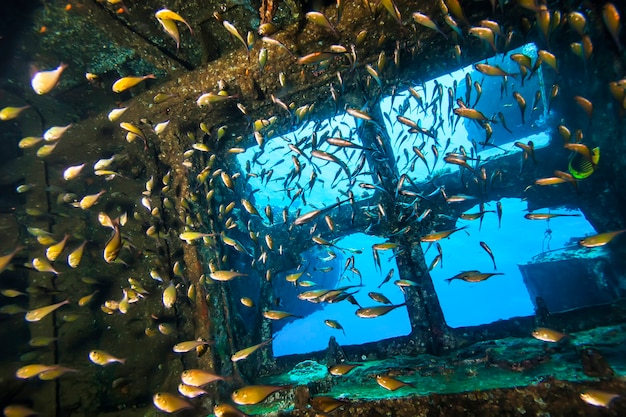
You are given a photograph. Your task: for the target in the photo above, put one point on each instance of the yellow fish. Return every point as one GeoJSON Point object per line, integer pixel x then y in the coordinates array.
{"type": "Point", "coordinates": [600, 239]}
{"type": "Point", "coordinates": [55, 132]}
{"type": "Point", "coordinates": [486, 34]}
{"type": "Point", "coordinates": [74, 258]}
{"type": "Point", "coordinates": [41, 341]}
{"type": "Point", "coordinates": [89, 201]}
{"type": "Point", "coordinates": [166, 14]}
{"type": "Point", "coordinates": [392, 9]}
{"type": "Point", "coordinates": [190, 392]}
{"type": "Point", "coordinates": [468, 113]}
{"type": "Point", "coordinates": [191, 236]}
{"type": "Point", "coordinates": [244, 353]}
{"type": "Point", "coordinates": [43, 265]}
{"type": "Point", "coordinates": [183, 347]}
{"type": "Point", "coordinates": [227, 410]}
{"type": "Point", "coordinates": [125, 83]}
{"type": "Point", "coordinates": [41, 312]}
{"type": "Point", "coordinates": [72, 172]}
{"type": "Point", "coordinates": [167, 20]}
{"type": "Point", "coordinates": [326, 404]}
{"type": "Point", "coordinates": [9, 113]}
{"type": "Point", "coordinates": [473, 276]}
{"type": "Point", "coordinates": [30, 371]}
{"type": "Point", "coordinates": [373, 312]}
{"type": "Point", "coordinates": [548, 335]}
{"type": "Point", "coordinates": [170, 403]}
{"type": "Point", "coordinates": [53, 251]}
{"type": "Point", "coordinates": [114, 245]}
{"type": "Point", "coordinates": [433, 237]}
{"type": "Point", "coordinates": [6, 259]}
{"type": "Point", "coordinates": [210, 98]}
{"type": "Point", "coordinates": [86, 299]}
{"type": "Point", "coordinates": [233, 31]}
{"type": "Point", "coordinates": [169, 295]}
{"type": "Point", "coordinates": [277, 315]}
{"type": "Point", "coordinates": [598, 398]}
{"type": "Point", "coordinates": [55, 372]}
{"type": "Point", "coordinates": [166, 328]}
{"type": "Point", "coordinates": [321, 20]}
{"type": "Point", "coordinates": [116, 113]}
{"type": "Point", "coordinates": [46, 150]}
{"type": "Point", "coordinates": [334, 324]}
{"type": "Point", "coordinates": [254, 394]}
{"type": "Point", "coordinates": [492, 71]}
{"type": "Point", "coordinates": [199, 378]}
{"type": "Point", "coordinates": [390, 383]}
{"type": "Point", "coordinates": [29, 142]}
{"type": "Point", "coordinates": [12, 293]}
{"type": "Point", "coordinates": [226, 275]}
{"type": "Point", "coordinates": [102, 358]}
{"type": "Point", "coordinates": [247, 301]}
{"type": "Point", "coordinates": [342, 368]}
{"type": "Point", "coordinates": [44, 81]}
{"type": "Point", "coordinates": [546, 216]}
{"type": "Point", "coordinates": [426, 21]}
{"type": "Point", "coordinates": [17, 410]}
{"type": "Point", "coordinates": [611, 18]}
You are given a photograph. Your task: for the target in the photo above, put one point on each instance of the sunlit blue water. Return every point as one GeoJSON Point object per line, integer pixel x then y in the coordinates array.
{"type": "Point", "coordinates": [311, 334]}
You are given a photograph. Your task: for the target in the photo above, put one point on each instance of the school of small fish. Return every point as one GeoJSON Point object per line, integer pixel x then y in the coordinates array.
{"type": "Point", "coordinates": [240, 228]}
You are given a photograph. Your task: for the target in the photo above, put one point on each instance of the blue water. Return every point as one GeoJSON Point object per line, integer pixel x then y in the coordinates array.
{"type": "Point", "coordinates": [311, 334]}
{"type": "Point", "coordinates": [513, 243]}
